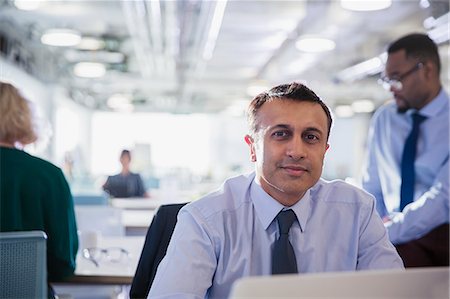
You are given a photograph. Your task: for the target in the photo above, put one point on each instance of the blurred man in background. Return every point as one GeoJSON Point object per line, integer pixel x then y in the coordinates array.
{"type": "Point", "coordinates": [408, 149]}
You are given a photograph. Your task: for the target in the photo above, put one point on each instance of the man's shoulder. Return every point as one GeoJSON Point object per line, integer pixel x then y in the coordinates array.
{"type": "Point", "coordinates": [338, 191]}
{"type": "Point", "coordinates": [388, 108]}
{"type": "Point", "coordinates": [227, 198]}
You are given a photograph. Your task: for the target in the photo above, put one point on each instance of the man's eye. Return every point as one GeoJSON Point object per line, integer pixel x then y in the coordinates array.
{"type": "Point", "coordinates": [311, 138]}
{"type": "Point", "coordinates": [280, 134]}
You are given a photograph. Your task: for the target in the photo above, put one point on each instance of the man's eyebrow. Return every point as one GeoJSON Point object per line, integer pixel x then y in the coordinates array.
{"type": "Point", "coordinates": [314, 129]}
{"type": "Point", "coordinates": [281, 126]}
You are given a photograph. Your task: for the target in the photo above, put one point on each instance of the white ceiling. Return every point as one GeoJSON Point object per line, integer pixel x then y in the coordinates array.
{"type": "Point", "coordinates": [166, 45]}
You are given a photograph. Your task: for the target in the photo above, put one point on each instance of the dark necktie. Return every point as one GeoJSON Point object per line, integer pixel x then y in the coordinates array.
{"type": "Point", "coordinates": [283, 256]}
{"type": "Point", "coordinates": [409, 155]}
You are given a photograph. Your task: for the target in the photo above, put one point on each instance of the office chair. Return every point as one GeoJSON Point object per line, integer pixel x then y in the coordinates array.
{"type": "Point", "coordinates": [23, 264]}
{"type": "Point", "coordinates": [155, 246]}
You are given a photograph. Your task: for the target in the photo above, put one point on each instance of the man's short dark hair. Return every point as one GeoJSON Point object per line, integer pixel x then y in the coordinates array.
{"type": "Point", "coordinates": [417, 45]}
{"type": "Point", "coordinates": [292, 91]}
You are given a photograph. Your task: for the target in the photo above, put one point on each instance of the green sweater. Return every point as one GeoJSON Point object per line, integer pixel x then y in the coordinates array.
{"type": "Point", "coordinates": [34, 195]}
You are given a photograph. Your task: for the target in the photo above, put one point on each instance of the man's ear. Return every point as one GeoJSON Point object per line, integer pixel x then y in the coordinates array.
{"type": "Point", "coordinates": [430, 70]}
{"type": "Point", "coordinates": [249, 140]}
{"type": "Point", "coordinates": [328, 146]}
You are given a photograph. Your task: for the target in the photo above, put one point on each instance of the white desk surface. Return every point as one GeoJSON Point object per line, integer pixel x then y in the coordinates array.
{"type": "Point", "coordinates": [137, 218]}
{"type": "Point", "coordinates": [136, 203]}
{"type": "Point", "coordinates": [156, 199]}
{"type": "Point", "coordinates": [108, 272]}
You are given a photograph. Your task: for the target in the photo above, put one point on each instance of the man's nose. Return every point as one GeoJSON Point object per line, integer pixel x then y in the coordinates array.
{"type": "Point", "coordinates": [296, 148]}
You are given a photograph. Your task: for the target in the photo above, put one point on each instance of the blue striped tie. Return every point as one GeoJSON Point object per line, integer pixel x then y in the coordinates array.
{"type": "Point", "coordinates": [409, 155]}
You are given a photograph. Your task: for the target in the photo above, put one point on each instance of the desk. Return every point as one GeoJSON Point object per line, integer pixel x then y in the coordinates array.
{"type": "Point", "coordinates": [137, 222]}
{"type": "Point", "coordinates": [157, 199]}
{"type": "Point", "coordinates": [136, 203]}
{"type": "Point", "coordinates": [108, 272]}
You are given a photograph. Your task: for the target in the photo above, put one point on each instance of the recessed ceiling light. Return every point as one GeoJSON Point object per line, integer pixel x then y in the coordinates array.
{"type": "Point", "coordinates": [424, 3]}
{"type": "Point", "coordinates": [315, 44]}
{"type": "Point", "coordinates": [89, 69]}
{"type": "Point", "coordinates": [27, 4]}
{"type": "Point", "coordinates": [120, 102]}
{"type": "Point", "coordinates": [61, 37]}
{"type": "Point", "coordinates": [343, 111]}
{"type": "Point", "coordinates": [363, 106]}
{"type": "Point", "coordinates": [365, 5]}
{"type": "Point", "coordinates": [91, 43]}
{"type": "Point", "coordinates": [361, 70]}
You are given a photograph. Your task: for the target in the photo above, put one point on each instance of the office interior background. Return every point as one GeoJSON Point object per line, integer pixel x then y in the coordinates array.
{"type": "Point", "coordinates": [170, 80]}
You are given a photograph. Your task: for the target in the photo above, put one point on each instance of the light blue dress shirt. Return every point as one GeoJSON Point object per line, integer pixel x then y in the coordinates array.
{"type": "Point", "coordinates": [229, 234]}
{"type": "Point", "coordinates": [382, 174]}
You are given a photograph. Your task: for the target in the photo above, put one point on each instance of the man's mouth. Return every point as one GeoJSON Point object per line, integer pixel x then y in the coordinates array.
{"type": "Point", "coordinates": [295, 170]}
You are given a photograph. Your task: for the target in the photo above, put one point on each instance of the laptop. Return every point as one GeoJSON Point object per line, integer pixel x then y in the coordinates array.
{"type": "Point", "coordinates": [423, 283]}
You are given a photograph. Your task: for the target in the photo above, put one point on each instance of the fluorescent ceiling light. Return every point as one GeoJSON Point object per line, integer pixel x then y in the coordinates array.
{"type": "Point", "coordinates": [343, 111]}
{"type": "Point", "coordinates": [440, 33]}
{"type": "Point", "coordinates": [365, 5]}
{"type": "Point", "coordinates": [105, 57]}
{"type": "Point", "coordinates": [424, 4]}
{"type": "Point", "coordinates": [214, 29]}
{"type": "Point", "coordinates": [369, 67]}
{"type": "Point", "coordinates": [89, 69]}
{"type": "Point", "coordinates": [120, 102]}
{"type": "Point", "coordinates": [315, 44]}
{"type": "Point", "coordinates": [363, 106]}
{"type": "Point", "coordinates": [91, 43]}
{"type": "Point", "coordinates": [61, 37]}
{"type": "Point", "coordinates": [27, 4]}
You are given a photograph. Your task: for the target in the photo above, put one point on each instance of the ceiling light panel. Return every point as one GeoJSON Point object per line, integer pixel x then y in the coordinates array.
{"type": "Point", "coordinates": [89, 70]}
{"type": "Point", "coordinates": [27, 4]}
{"type": "Point", "coordinates": [61, 37]}
{"type": "Point", "coordinates": [363, 106]}
{"type": "Point", "coordinates": [91, 44]}
{"type": "Point", "coordinates": [365, 5]}
{"type": "Point", "coordinates": [315, 44]}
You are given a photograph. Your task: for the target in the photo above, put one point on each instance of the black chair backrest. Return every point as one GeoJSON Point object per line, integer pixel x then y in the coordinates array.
{"type": "Point", "coordinates": [155, 246]}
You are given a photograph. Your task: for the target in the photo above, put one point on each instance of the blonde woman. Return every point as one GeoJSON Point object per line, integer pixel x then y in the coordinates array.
{"type": "Point", "coordinates": [34, 194]}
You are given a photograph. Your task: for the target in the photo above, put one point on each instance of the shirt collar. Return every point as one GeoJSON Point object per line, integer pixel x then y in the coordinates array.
{"type": "Point", "coordinates": [437, 105]}
{"type": "Point", "coordinates": [267, 208]}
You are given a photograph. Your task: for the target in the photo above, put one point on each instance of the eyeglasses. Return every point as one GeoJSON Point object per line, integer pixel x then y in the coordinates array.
{"type": "Point", "coordinates": [112, 254]}
{"type": "Point", "coordinates": [396, 82]}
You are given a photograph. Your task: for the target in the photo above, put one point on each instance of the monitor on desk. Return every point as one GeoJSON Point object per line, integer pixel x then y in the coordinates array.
{"type": "Point", "coordinates": [387, 284]}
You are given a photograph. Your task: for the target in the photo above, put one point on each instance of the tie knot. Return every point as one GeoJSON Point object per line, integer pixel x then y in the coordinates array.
{"type": "Point", "coordinates": [285, 220]}
{"type": "Point", "coordinates": [417, 119]}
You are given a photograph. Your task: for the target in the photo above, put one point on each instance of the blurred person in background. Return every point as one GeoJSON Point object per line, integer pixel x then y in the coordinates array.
{"type": "Point", "coordinates": [126, 183]}
{"type": "Point", "coordinates": [34, 194]}
{"type": "Point", "coordinates": [408, 149]}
